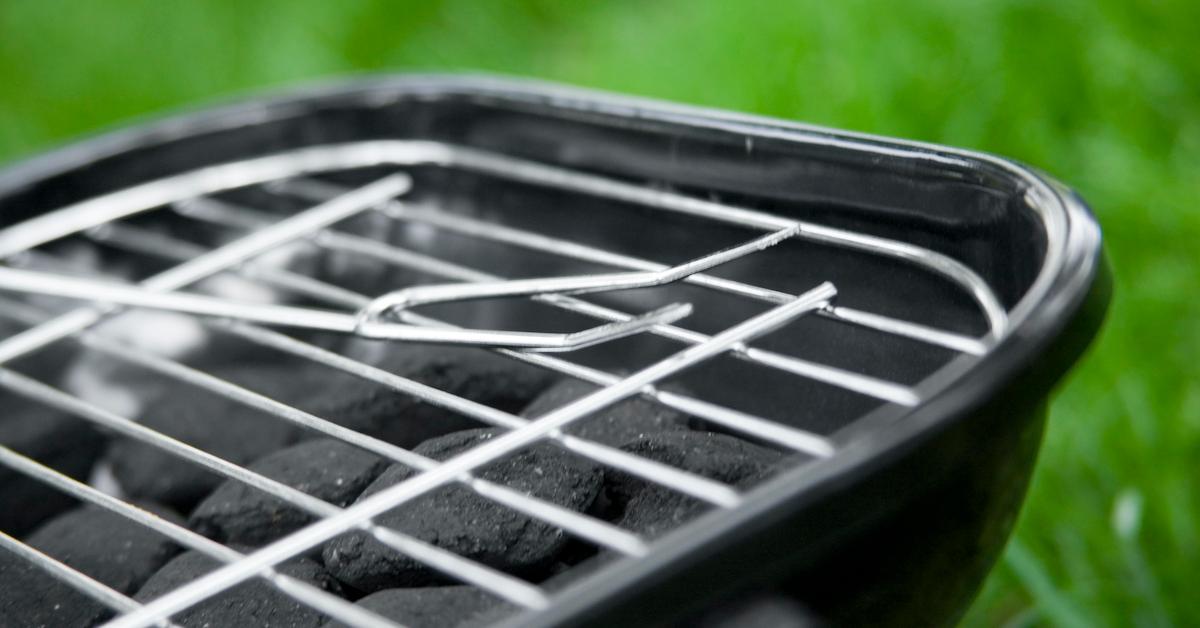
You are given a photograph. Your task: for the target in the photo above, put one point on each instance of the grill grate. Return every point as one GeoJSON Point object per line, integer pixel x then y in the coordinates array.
{"type": "Point", "coordinates": [110, 221]}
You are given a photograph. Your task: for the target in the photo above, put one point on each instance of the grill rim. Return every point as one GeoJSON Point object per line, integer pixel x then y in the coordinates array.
{"type": "Point", "coordinates": [1063, 307]}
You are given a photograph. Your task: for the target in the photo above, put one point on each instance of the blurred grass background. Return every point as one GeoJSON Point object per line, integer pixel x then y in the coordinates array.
{"type": "Point", "coordinates": [1103, 94]}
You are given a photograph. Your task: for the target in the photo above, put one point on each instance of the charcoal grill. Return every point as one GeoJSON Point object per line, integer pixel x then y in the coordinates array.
{"type": "Point", "coordinates": [891, 315]}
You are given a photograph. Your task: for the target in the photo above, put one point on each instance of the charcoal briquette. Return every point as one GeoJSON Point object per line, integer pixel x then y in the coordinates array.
{"type": "Point", "coordinates": [32, 598]}
{"type": "Point", "coordinates": [254, 602]}
{"type": "Point", "coordinates": [106, 546]}
{"type": "Point", "coordinates": [456, 519]}
{"type": "Point", "coordinates": [327, 469]}
{"type": "Point", "coordinates": [400, 418]}
{"type": "Point", "coordinates": [430, 607]}
{"type": "Point", "coordinates": [616, 425]}
{"type": "Point", "coordinates": [63, 442]}
{"type": "Point", "coordinates": [223, 427]}
{"type": "Point", "coordinates": [652, 509]}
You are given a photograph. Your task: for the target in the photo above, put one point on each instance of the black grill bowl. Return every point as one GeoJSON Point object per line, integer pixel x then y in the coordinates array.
{"type": "Point", "coordinates": [901, 525]}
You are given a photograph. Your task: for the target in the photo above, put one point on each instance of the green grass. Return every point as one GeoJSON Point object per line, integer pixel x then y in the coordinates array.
{"type": "Point", "coordinates": [1105, 95]}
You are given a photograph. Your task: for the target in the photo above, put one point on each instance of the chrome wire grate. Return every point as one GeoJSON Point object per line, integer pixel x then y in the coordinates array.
{"type": "Point", "coordinates": [114, 221]}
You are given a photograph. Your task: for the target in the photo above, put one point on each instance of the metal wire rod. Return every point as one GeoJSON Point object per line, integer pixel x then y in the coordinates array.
{"type": "Point", "coordinates": [578, 284]}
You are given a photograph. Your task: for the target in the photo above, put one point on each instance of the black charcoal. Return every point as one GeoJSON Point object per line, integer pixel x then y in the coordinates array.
{"type": "Point", "coordinates": [327, 469]}
{"type": "Point", "coordinates": [63, 442]}
{"type": "Point", "coordinates": [223, 427]}
{"type": "Point", "coordinates": [254, 602]}
{"type": "Point", "coordinates": [32, 598]}
{"type": "Point", "coordinates": [617, 425]}
{"type": "Point", "coordinates": [651, 509]}
{"type": "Point", "coordinates": [458, 520]}
{"type": "Point", "coordinates": [106, 546]}
{"type": "Point", "coordinates": [401, 419]}
{"type": "Point", "coordinates": [430, 607]}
